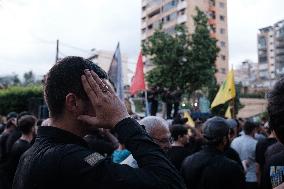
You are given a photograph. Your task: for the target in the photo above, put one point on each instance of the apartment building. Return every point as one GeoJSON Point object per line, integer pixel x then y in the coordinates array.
{"type": "Point", "coordinates": [169, 13]}
{"type": "Point", "coordinates": [271, 53]}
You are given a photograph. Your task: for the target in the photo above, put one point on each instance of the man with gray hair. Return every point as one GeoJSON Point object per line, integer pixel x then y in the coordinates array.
{"type": "Point", "coordinates": [158, 130]}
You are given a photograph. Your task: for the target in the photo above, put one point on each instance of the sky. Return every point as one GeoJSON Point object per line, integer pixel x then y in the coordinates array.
{"type": "Point", "coordinates": [29, 30]}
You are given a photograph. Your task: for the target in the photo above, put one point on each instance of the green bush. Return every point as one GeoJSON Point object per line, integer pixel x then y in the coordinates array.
{"type": "Point", "coordinates": [19, 98]}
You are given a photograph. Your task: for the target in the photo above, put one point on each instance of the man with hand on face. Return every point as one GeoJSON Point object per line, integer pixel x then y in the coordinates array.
{"type": "Point", "coordinates": [79, 100]}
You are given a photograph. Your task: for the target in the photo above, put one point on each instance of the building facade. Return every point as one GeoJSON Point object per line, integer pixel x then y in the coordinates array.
{"type": "Point", "coordinates": [271, 53]}
{"type": "Point", "coordinates": [169, 13]}
{"type": "Point", "coordinates": [103, 59]}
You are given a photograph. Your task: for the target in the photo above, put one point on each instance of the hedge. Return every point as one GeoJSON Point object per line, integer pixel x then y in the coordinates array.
{"type": "Point", "coordinates": [19, 98]}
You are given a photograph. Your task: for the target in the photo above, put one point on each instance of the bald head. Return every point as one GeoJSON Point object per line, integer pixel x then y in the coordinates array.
{"type": "Point", "coordinates": [158, 129]}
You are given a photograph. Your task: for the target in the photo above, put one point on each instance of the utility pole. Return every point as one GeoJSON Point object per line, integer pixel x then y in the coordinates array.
{"type": "Point", "coordinates": [57, 50]}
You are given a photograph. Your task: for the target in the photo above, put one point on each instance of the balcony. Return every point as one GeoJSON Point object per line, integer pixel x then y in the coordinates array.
{"type": "Point", "coordinates": [263, 67]}
{"type": "Point", "coordinates": [212, 8]}
{"type": "Point", "coordinates": [181, 19]}
{"type": "Point", "coordinates": [143, 36]}
{"type": "Point", "coordinates": [213, 35]}
{"type": "Point", "coordinates": [212, 21]}
{"type": "Point", "coordinates": [279, 51]}
{"type": "Point", "coordinates": [143, 24]}
{"type": "Point", "coordinates": [144, 3]}
{"type": "Point", "coordinates": [280, 59]}
{"type": "Point", "coordinates": [279, 44]}
{"type": "Point", "coordinates": [153, 19]}
{"type": "Point", "coordinates": [153, 10]}
{"type": "Point", "coordinates": [181, 5]}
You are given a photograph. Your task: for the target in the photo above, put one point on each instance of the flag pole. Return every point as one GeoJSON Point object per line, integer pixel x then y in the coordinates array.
{"type": "Point", "coordinates": [146, 104]}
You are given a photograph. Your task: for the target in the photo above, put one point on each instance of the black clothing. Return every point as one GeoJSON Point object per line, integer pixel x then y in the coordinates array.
{"type": "Point", "coordinates": [8, 169]}
{"type": "Point", "coordinates": [100, 144]}
{"type": "Point", "coordinates": [194, 145]}
{"type": "Point", "coordinates": [59, 159]}
{"type": "Point", "coordinates": [2, 127]}
{"type": "Point", "coordinates": [3, 146]}
{"type": "Point", "coordinates": [260, 150]}
{"type": "Point", "coordinates": [273, 149]}
{"type": "Point", "coordinates": [209, 168]}
{"type": "Point", "coordinates": [177, 154]}
{"type": "Point", "coordinates": [233, 155]}
{"type": "Point", "coordinates": [14, 136]}
{"type": "Point", "coordinates": [273, 171]}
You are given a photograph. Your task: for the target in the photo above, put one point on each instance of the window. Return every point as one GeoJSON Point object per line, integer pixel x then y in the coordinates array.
{"type": "Point", "coordinates": [144, 8]}
{"type": "Point", "coordinates": [143, 30]}
{"type": "Point", "coordinates": [222, 30]}
{"type": "Point", "coordinates": [222, 17]}
{"type": "Point", "coordinates": [223, 44]}
{"type": "Point", "coordinates": [169, 5]}
{"type": "Point", "coordinates": [223, 57]}
{"type": "Point", "coordinates": [150, 26]}
{"type": "Point", "coordinates": [171, 17]}
{"type": "Point", "coordinates": [181, 12]}
{"type": "Point", "coordinates": [222, 5]}
{"type": "Point", "coordinates": [223, 70]}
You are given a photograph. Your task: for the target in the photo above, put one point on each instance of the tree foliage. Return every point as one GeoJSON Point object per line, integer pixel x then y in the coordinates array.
{"type": "Point", "coordinates": [18, 98]}
{"type": "Point", "coordinates": [183, 60]}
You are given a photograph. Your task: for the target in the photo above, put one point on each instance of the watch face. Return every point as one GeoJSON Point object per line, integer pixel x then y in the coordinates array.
{"type": "Point", "coordinates": [276, 175]}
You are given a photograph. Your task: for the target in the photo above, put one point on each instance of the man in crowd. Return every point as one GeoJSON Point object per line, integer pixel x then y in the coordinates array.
{"type": "Point", "coordinates": [158, 130]}
{"type": "Point", "coordinates": [79, 99]}
{"type": "Point", "coordinates": [9, 128]}
{"type": "Point", "coordinates": [261, 148]}
{"type": "Point", "coordinates": [275, 165]}
{"type": "Point", "coordinates": [245, 145]}
{"type": "Point", "coordinates": [26, 125]}
{"type": "Point", "coordinates": [209, 168]}
{"type": "Point", "coordinates": [178, 152]}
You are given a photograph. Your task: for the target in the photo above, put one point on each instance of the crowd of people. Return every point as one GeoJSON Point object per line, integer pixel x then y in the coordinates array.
{"type": "Point", "coordinates": [91, 141]}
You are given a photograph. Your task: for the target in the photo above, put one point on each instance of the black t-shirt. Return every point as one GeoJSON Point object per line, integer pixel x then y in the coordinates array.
{"type": "Point", "coordinates": [261, 148]}
{"type": "Point", "coordinates": [9, 167]}
{"type": "Point", "coordinates": [272, 150]}
{"type": "Point", "coordinates": [3, 146]}
{"type": "Point", "coordinates": [14, 136]}
{"type": "Point", "coordinates": [19, 147]}
{"type": "Point", "coordinates": [233, 155]}
{"type": "Point", "coordinates": [177, 154]}
{"type": "Point", "coordinates": [274, 171]}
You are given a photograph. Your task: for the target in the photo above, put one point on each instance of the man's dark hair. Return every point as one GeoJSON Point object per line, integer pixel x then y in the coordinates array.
{"type": "Point", "coordinates": [178, 130]}
{"type": "Point", "coordinates": [21, 114]}
{"type": "Point", "coordinates": [65, 77]}
{"type": "Point", "coordinates": [26, 123]}
{"type": "Point", "coordinates": [276, 109]}
{"type": "Point", "coordinates": [249, 127]}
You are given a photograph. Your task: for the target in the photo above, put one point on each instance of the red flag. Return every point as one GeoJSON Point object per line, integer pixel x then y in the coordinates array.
{"type": "Point", "coordinates": [138, 81]}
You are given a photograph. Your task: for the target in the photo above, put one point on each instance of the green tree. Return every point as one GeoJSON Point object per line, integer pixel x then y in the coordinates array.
{"type": "Point", "coordinates": [29, 78]}
{"type": "Point", "coordinates": [183, 60]}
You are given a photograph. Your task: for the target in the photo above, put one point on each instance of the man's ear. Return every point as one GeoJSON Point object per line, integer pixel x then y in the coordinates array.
{"type": "Point", "coordinates": [71, 103]}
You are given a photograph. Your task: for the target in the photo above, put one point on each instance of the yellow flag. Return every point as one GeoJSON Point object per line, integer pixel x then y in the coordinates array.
{"type": "Point", "coordinates": [190, 120]}
{"type": "Point", "coordinates": [228, 113]}
{"type": "Point", "coordinates": [226, 92]}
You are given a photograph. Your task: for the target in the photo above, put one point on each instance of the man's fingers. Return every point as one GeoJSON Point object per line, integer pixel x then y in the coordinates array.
{"type": "Point", "coordinates": [103, 86]}
{"type": "Point", "coordinates": [110, 89]}
{"type": "Point", "coordinates": [88, 89]}
{"type": "Point", "coordinates": [93, 83]}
